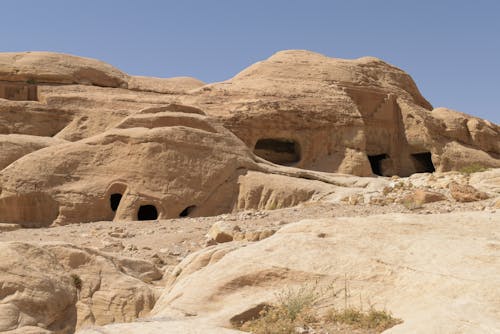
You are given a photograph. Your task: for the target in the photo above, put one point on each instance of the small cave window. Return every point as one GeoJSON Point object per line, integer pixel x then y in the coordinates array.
{"type": "Point", "coordinates": [423, 162]}
{"type": "Point", "coordinates": [278, 151]}
{"type": "Point", "coordinates": [114, 201]}
{"type": "Point", "coordinates": [187, 211]}
{"type": "Point", "coordinates": [376, 163]}
{"type": "Point", "coordinates": [147, 212]}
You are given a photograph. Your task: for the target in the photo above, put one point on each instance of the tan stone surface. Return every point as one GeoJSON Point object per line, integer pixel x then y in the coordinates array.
{"type": "Point", "coordinates": [49, 67]}
{"type": "Point", "coordinates": [466, 193]}
{"type": "Point", "coordinates": [160, 327]}
{"type": "Point", "coordinates": [260, 150]}
{"type": "Point", "coordinates": [425, 196]}
{"type": "Point", "coordinates": [430, 272]}
{"type": "Point", "coordinates": [39, 290]}
{"type": "Point", "coordinates": [16, 146]}
{"type": "Point", "coordinates": [164, 85]}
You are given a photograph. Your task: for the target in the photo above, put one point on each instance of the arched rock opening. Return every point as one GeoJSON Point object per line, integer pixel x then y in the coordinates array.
{"type": "Point", "coordinates": [114, 201]}
{"type": "Point", "coordinates": [423, 162]}
{"type": "Point", "coordinates": [376, 163]}
{"type": "Point", "coordinates": [147, 212]}
{"type": "Point", "coordinates": [187, 211]}
{"type": "Point", "coordinates": [278, 151]}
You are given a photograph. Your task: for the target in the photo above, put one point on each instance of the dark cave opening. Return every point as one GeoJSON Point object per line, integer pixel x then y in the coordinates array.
{"type": "Point", "coordinates": [114, 201]}
{"type": "Point", "coordinates": [187, 211]}
{"type": "Point", "coordinates": [278, 151]}
{"type": "Point", "coordinates": [423, 162]}
{"type": "Point", "coordinates": [376, 163]}
{"type": "Point", "coordinates": [147, 212]}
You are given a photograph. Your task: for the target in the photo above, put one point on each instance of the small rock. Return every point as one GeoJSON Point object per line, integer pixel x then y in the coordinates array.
{"type": "Point", "coordinates": [252, 235]}
{"type": "Point", "coordinates": [266, 234]}
{"type": "Point", "coordinates": [222, 232]}
{"type": "Point", "coordinates": [210, 242]}
{"type": "Point", "coordinates": [426, 196]}
{"type": "Point", "coordinates": [466, 193]}
{"type": "Point", "coordinates": [496, 205]}
{"type": "Point", "coordinates": [112, 246]}
{"type": "Point", "coordinates": [131, 248]}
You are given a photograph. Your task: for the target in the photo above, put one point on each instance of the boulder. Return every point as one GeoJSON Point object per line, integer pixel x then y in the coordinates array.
{"type": "Point", "coordinates": [222, 232]}
{"type": "Point", "coordinates": [425, 196]}
{"type": "Point", "coordinates": [466, 193]}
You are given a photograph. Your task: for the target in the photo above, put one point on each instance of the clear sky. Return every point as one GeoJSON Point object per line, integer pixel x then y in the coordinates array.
{"type": "Point", "coordinates": [450, 48]}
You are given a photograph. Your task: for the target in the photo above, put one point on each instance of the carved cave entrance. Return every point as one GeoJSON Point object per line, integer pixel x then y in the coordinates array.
{"type": "Point", "coordinates": [376, 163]}
{"type": "Point", "coordinates": [147, 212]}
{"type": "Point", "coordinates": [423, 162]}
{"type": "Point", "coordinates": [187, 211]}
{"type": "Point", "coordinates": [278, 151]}
{"type": "Point", "coordinates": [114, 201]}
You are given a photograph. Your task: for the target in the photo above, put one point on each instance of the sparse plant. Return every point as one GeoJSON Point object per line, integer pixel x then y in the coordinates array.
{"type": "Point", "coordinates": [77, 281]}
{"type": "Point", "coordinates": [31, 81]}
{"type": "Point", "coordinates": [271, 206]}
{"type": "Point", "coordinates": [473, 168]}
{"type": "Point", "coordinates": [411, 203]}
{"type": "Point", "coordinates": [300, 307]}
{"type": "Point", "coordinates": [372, 319]}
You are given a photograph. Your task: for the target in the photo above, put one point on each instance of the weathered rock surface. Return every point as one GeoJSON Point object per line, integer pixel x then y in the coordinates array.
{"type": "Point", "coordinates": [82, 142]}
{"type": "Point", "coordinates": [466, 193]}
{"type": "Point", "coordinates": [441, 258]}
{"type": "Point", "coordinates": [358, 116]}
{"type": "Point", "coordinates": [15, 146]}
{"type": "Point", "coordinates": [297, 108]}
{"type": "Point", "coordinates": [160, 327]}
{"type": "Point", "coordinates": [162, 164]}
{"type": "Point", "coordinates": [49, 67]}
{"type": "Point", "coordinates": [56, 287]}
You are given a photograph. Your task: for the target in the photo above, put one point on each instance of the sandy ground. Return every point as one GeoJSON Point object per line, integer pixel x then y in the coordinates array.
{"type": "Point", "coordinates": [167, 242]}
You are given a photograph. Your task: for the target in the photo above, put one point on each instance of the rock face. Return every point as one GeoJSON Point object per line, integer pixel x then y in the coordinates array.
{"type": "Point", "coordinates": [359, 116]}
{"type": "Point", "coordinates": [133, 148]}
{"type": "Point", "coordinates": [16, 146]}
{"type": "Point", "coordinates": [48, 67]}
{"type": "Point", "coordinates": [59, 287]}
{"type": "Point", "coordinates": [406, 277]}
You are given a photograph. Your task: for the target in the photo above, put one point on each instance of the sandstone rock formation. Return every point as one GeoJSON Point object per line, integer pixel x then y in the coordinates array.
{"type": "Point", "coordinates": [159, 143]}
{"type": "Point", "coordinates": [359, 116]}
{"type": "Point", "coordinates": [146, 148]}
{"type": "Point", "coordinates": [425, 273]}
{"type": "Point", "coordinates": [58, 287]}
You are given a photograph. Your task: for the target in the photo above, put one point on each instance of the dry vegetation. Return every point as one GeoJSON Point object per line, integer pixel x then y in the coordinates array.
{"type": "Point", "coordinates": [302, 310]}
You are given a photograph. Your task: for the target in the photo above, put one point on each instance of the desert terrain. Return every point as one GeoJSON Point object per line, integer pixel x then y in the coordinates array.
{"type": "Point", "coordinates": [147, 205]}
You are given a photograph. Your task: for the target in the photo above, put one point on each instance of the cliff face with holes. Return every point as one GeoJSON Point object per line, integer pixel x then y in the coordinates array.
{"type": "Point", "coordinates": [358, 116]}
{"type": "Point", "coordinates": [88, 142]}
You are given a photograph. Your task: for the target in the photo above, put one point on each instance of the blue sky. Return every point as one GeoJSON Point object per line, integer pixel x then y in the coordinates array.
{"type": "Point", "coordinates": [450, 48]}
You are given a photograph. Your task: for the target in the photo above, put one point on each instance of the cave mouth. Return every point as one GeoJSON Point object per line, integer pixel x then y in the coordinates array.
{"type": "Point", "coordinates": [423, 162]}
{"type": "Point", "coordinates": [187, 211]}
{"type": "Point", "coordinates": [376, 163]}
{"type": "Point", "coordinates": [147, 212]}
{"type": "Point", "coordinates": [278, 151]}
{"type": "Point", "coordinates": [114, 201]}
